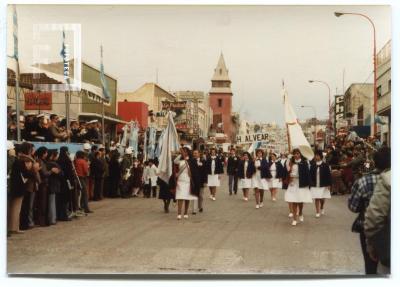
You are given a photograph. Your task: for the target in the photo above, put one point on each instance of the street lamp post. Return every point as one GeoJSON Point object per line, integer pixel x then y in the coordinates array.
{"type": "Point", "coordinates": [373, 124]}
{"type": "Point", "coordinates": [329, 106]}
{"type": "Point", "coordinates": [315, 124]}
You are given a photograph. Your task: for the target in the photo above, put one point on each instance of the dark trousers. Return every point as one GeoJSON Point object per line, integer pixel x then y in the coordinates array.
{"type": "Point", "coordinates": [62, 200]}
{"type": "Point", "coordinates": [154, 191]}
{"type": "Point", "coordinates": [98, 188]}
{"type": "Point", "coordinates": [370, 265]}
{"type": "Point", "coordinates": [114, 183]}
{"type": "Point", "coordinates": [24, 214]}
{"type": "Point", "coordinates": [41, 200]}
{"type": "Point", "coordinates": [84, 194]}
{"type": "Point", "coordinates": [147, 190]}
{"type": "Point", "coordinates": [233, 184]}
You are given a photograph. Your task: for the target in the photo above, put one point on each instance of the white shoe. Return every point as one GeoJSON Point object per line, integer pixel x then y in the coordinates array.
{"type": "Point", "coordinates": [317, 215]}
{"type": "Point", "coordinates": [214, 199]}
{"type": "Point", "coordinates": [261, 204]}
{"type": "Point", "coordinates": [294, 223]}
{"type": "Point", "coordinates": [257, 206]}
{"type": "Point", "coordinates": [322, 212]}
{"type": "Point", "coordinates": [186, 216]}
{"type": "Point", "coordinates": [179, 217]}
{"type": "Point", "coordinates": [290, 215]}
{"type": "Point", "coordinates": [246, 199]}
{"type": "Point", "coordinates": [210, 197]}
{"type": "Point", "coordinates": [274, 199]}
{"type": "Point", "coordinates": [301, 218]}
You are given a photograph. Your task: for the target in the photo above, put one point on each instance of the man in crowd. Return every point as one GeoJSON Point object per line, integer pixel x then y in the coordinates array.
{"type": "Point", "coordinates": [231, 170]}
{"type": "Point", "coordinates": [56, 133]}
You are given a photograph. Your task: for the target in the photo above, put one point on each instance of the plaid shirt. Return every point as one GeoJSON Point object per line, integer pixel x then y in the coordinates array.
{"type": "Point", "coordinates": [361, 192]}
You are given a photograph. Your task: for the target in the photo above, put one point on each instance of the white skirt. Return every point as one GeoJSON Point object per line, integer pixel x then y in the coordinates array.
{"type": "Point", "coordinates": [245, 183]}
{"type": "Point", "coordinates": [258, 182]}
{"type": "Point", "coordinates": [274, 183]}
{"type": "Point", "coordinates": [296, 194]}
{"type": "Point", "coordinates": [183, 191]}
{"type": "Point", "coordinates": [213, 180]}
{"type": "Point", "coordinates": [320, 192]}
{"type": "Point", "coordinates": [153, 181]}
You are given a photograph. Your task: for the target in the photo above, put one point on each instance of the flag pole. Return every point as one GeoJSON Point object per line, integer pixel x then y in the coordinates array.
{"type": "Point", "coordinates": [17, 71]}
{"type": "Point", "coordinates": [287, 126]}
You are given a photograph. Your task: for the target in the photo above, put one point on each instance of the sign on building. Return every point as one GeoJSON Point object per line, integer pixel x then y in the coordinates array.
{"type": "Point", "coordinates": [250, 138]}
{"type": "Point", "coordinates": [38, 101]}
{"type": "Point", "coordinates": [339, 111]}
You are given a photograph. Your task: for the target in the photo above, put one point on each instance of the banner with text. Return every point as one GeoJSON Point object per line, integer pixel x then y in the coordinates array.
{"type": "Point", "coordinates": [250, 138]}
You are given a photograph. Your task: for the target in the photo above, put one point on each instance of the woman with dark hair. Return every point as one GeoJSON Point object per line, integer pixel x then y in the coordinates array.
{"type": "Point", "coordinates": [214, 168]}
{"type": "Point", "coordinates": [276, 175]}
{"type": "Point", "coordinates": [115, 172]}
{"type": "Point", "coordinates": [136, 178]}
{"type": "Point", "coordinates": [320, 182]}
{"type": "Point", "coordinates": [54, 182]}
{"type": "Point", "coordinates": [27, 209]}
{"type": "Point", "coordinates": [97, 170]}
{"type": "Point", "coordinates": [187, 187]}
{"type": "Point", "coordinates": [259, 179]}
{"type": "Point", "coordinates": [246, 170]}
{"type": "Point", "coordinates": [22, 178]}
{"type": "Point", "coordinates": [82, 171]}
{"type": "Point", "coordinates": [298, 191]}
{"type": "Point", "coordinates": [67, 185]}
{"type": "Point", "coordinates": [41, 199]}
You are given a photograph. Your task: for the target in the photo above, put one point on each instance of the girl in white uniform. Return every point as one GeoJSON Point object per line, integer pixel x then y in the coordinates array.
{"type": "Point", "coordinates": [246, 171]}
{"type": "Point", "coordinates": [183, 194]}
{"type": "Point", "coordinates": [320, 182]}
{"type": "Point", "coordinates": [259, 180]}
{"type": "Point", "coordinates": [277, 173]}
{"type": "Point", "coordinates": [214, 168]}
{"type": "Point", "coordinates": [298, 191]}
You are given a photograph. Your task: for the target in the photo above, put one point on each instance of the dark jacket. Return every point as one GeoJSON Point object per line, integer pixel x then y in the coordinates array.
{"type": "Point", "coordinates": [54, 180]}
{"type": "Point", "coordinates": [136, 176]}
{"type": "Point", "coordinates": [280, 170]}
{"type": "Point", "coordinates": [304, 174]}
{"type": "Point", "coordinates": [232, 165]}
{"type": "Point", "coordinates": [251, 169]}
{"type": "Point", "coordinates": [19, 177]}
{"type": "Point", "coordinates": [97, 168]}
{"type": "Point", "coordinates": [202, 170]}
{"type": "Point", "coordinates": [196, 177]}
{"type": "Point", "coordinates": [264, 169]}
{"type": "Point", "coordinates": [219, 168]}
{"type": "Point", "coordinates": [324, 175]}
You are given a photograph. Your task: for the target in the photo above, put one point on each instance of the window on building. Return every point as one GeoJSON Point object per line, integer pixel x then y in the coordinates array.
{"type": "Point", "coordinates": [390, 86]}
{"type": "Point", "coordinates": [360, 116]}
{"type": "Point", "coordinates": [379, 91]}
{"type": "Point", "coordinates": [220, 103]}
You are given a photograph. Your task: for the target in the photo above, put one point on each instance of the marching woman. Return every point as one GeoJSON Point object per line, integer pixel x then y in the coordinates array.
{"type": "Point", "coordinates": [214, 168]}
{"type": "Point", "coordinates": [320, 182]}
{"type": "Point", "coordinates": [187, 182]}
{"type": "Point", "coordinates": [246, 170]}
{"type": "Point", "coordinates": [259, 179]}
{"type": "Point", "coordinates": [276, 174]}
{"type": "Point", "coordinates": [298, 191]}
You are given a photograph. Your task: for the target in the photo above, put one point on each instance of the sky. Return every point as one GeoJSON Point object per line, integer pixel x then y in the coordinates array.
{"type": "Point", "coordinates": [262, 45]}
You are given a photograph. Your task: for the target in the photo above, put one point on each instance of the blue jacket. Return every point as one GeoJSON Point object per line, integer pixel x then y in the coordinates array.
{"type": "Point", "coordinates": [251, 169]}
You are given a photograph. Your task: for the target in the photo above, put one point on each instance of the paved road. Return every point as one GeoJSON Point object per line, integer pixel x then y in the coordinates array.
{"type": "Point", "coordinates": [231, 236]}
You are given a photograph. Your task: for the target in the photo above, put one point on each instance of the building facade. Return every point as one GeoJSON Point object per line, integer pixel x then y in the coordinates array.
{"type": "Point", "coordinates": [153, 95]}
{"type": "Point", "coordinates": [220, 99]}
{"type": "Point", "coordinates": [358, 104]}
{"type": "Point", "coordinates": [384, 91]}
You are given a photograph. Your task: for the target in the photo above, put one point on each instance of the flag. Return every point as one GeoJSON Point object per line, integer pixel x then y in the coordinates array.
{"type": "Point", "coordinates": [133, 137]}
{"type": "Point", "coordinates": [104, 85]}
{"type": "Point", "coordinates": [170, 143]}
{"type": "Point", "coordinates": [296, 135]}
{"type": "Point", "coordinates": [15, 32]}
{"type": "Point", "coordinates": [254, 146]}
{"type": "Point", "coordinates": [63, 54]}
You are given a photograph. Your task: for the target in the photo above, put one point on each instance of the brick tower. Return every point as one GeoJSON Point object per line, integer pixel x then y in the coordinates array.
{"type": "Point", "coordinates": [221, 99]}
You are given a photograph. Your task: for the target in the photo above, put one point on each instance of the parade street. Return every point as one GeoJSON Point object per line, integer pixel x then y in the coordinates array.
{"type": "Point", "coordinates": [230, 236]}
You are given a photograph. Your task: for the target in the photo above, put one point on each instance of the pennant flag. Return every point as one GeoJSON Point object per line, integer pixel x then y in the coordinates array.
{"type": "Point", "coordinates": [159, 145]}
{"type": "Point", "coordinates": [15, 32]}
{"type": "Point", "coordinates": [170, 143]}
{"type": "Point", "coordinates": [254, 146]}
{"type": "Point", "coordinates": [104, 85]}
{"type": "Point", "coordinates": [133, 137]}
{"type": "Point", "coordinates": [63, 54]}
{"type": "Point", "coordinates": [296, 135]}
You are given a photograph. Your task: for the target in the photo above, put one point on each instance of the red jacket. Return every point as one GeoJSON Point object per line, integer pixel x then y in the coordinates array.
{"type": "Point", "coordinates": [82, 167]}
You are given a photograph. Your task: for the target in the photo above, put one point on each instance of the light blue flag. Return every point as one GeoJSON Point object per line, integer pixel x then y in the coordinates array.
{"type": "Point", "coordinates": [104, 85]}
{"type": "Point", "coordinates": [63, 54]}
{"type": "Point", "coordinates": [15, 32]}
